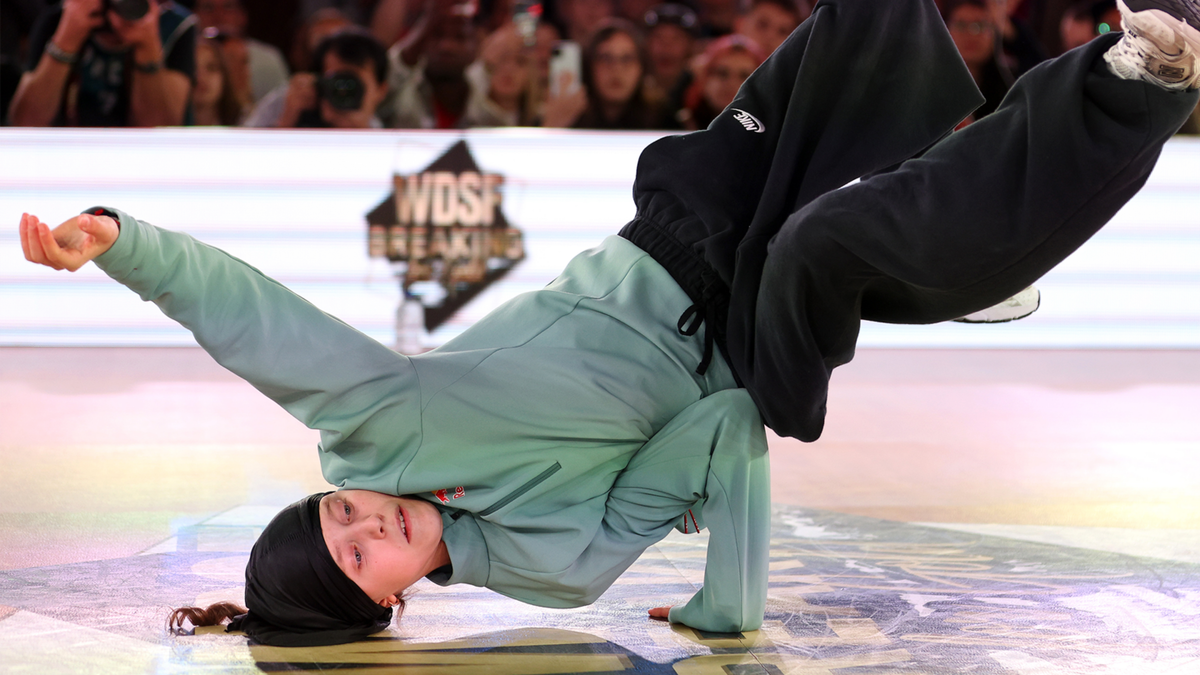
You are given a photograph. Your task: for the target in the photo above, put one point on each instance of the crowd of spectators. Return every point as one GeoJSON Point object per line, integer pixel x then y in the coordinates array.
{"type": "Point", "coordinates": [424, 64]}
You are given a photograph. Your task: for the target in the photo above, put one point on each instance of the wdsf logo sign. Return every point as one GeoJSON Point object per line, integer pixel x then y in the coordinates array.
{"type": "Point", "coordinates": [444, 225]}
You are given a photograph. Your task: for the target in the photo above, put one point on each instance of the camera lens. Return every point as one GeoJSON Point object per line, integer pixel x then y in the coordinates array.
{"type": "Point", "coordinates": [130, 10]}
{"type": "Point", "coordinates": [343, 90]}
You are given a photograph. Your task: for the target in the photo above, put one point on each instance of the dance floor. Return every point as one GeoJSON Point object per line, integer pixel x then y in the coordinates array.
{"type": "Point", "coordinates": [1017, 512]}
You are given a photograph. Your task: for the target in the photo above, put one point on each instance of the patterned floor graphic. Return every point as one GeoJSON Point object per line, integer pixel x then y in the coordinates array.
{"type": "Point", "coordinates": [849, 595]}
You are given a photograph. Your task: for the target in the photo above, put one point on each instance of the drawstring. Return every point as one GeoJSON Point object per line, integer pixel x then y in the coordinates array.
{"type": "Point", "coordinates": [693, 316]}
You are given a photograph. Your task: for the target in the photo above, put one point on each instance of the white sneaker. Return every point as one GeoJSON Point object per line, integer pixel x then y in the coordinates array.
{"type": "Point", "coordinates": [1018, 306]}
{"type": "Point", "coordinates": [1160, 45]}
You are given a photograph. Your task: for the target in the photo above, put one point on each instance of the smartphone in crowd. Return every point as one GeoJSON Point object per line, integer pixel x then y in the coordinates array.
{"type": "Point", "coordinates": [566, 60]}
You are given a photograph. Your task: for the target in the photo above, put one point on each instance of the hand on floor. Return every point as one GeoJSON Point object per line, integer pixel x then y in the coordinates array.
{"type": "Point", "coordinates": [661, 613]}
{"type": "Point", "coordinates": [70, 245]}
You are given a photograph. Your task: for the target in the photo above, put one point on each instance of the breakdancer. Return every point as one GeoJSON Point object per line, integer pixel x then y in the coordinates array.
{"type": "Point", "coordinates": [540, 452]}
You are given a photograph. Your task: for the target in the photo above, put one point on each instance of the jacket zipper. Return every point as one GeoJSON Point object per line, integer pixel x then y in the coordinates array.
{"type": "Point", "coordinates": [529, 485]}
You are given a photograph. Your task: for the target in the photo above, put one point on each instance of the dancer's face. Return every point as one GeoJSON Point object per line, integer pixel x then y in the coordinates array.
{"type": "Point", "coordinates": [383, 543]}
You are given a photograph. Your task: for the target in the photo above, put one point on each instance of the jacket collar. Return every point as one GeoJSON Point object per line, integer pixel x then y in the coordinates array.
{"type": "Point", "coordinates": [469, 561]}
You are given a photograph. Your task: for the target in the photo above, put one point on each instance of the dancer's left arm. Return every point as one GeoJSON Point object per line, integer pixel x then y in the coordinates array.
{"type": "Point", "coordinates": [707, 467]}
{"type": "Point", "coordinates": [326, 374]}
{"type": "Point", "coordinates": [724, 434]}
{"type": "Point", "coordinates": [737, 513]}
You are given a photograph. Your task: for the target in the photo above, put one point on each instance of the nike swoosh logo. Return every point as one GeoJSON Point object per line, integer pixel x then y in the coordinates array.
{"type": "Point", "coordinates": [750, 122]}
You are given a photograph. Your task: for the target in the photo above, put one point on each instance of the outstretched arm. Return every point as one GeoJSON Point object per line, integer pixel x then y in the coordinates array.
{"type": "Point", "coordinates": [326, 374]}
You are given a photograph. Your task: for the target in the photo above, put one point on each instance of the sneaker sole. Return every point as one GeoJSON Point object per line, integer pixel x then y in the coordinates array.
{"type": "Point", "coordinates": [1003, 313]}
{"type": "Point", "coordinates": [1174, 12]}
{"type": "Point", "coordinates": [1187, 10]}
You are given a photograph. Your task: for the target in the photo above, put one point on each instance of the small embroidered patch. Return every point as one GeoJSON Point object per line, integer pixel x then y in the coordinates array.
{"type": "Point", "coordinates": [443, 498]}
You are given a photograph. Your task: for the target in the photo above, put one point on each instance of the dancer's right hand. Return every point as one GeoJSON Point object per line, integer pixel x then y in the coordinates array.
{"type": "Point", "coordinates": [70, 245]}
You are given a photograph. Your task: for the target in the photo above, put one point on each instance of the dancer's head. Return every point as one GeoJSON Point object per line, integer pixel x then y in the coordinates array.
{"type": "Point", "coordinates": [384, 544]}
{"type": "Point", "coordinates": [330, 568]}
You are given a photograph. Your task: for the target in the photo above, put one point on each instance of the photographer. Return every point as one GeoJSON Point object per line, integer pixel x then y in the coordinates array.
{"type": "Point", "coordinates": [347, 82]}
{"type": "Point", "coordinates": [110, 63]}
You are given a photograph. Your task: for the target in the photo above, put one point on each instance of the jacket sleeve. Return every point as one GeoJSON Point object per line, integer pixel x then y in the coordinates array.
{"type": "Point", "coordinates": [712, 457]}
{"type": "Point", "coordinates": [323, 372]}
{"type": "Point", "coordinates": [737, 513]}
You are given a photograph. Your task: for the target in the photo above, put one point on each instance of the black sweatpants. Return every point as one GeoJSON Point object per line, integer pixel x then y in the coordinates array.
{"type": "Point", "coordinates": [748, 218]}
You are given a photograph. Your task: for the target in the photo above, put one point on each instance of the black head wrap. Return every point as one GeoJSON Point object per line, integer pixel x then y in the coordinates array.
{"type": "Point", "coordinates": [296, 594]}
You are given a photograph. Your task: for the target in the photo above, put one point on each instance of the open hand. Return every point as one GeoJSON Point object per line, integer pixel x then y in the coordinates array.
{"type": "Point", "coordinates": [662, 613]}
{"type": "Point", "coordinates": [70, 245]}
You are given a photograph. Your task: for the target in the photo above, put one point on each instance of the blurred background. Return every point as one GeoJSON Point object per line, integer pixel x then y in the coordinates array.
{"type": "Point", "coordinates": [447, 64]}
{"type": "Point", "coordinates": [282, 128]}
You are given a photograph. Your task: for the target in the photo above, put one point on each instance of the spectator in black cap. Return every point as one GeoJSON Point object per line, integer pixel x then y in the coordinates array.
{"type": "Point", "coordinates": [671, 32]}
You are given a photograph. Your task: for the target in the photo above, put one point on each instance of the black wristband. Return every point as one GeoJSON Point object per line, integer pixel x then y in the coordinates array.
{"type": "Point", "coordinates": [101, 211]}
{"type": "Point", "coordinates": [149, 68]}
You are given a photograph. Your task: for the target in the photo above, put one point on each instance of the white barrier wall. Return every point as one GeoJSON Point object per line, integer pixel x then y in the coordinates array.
{"type": "Point", "coordinates": [293, 204]}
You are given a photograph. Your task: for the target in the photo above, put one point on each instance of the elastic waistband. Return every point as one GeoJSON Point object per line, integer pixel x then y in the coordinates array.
{"type": "Point", "coordinates": [695, 276]}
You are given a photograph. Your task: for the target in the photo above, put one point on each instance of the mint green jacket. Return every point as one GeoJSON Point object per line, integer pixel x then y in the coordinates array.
{"type": "Point", "coordinates": [561, 435]}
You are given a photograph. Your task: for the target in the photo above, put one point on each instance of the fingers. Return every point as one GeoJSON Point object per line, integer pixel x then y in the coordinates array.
{"type": "Point", "coordinates": [40, 246]}
{"type": "Point", "coordinates": [31, 241]}
{"type": "Point", "coordinates": [25, 235]}
{"type": "Point", "coordinates": [47, 248]}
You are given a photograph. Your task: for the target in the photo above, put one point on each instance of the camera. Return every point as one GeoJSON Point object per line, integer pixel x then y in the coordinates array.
{"type": "Point", "coordinates": [343, 90]}
{"type": "Point", "coordinates": [130, 10]}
